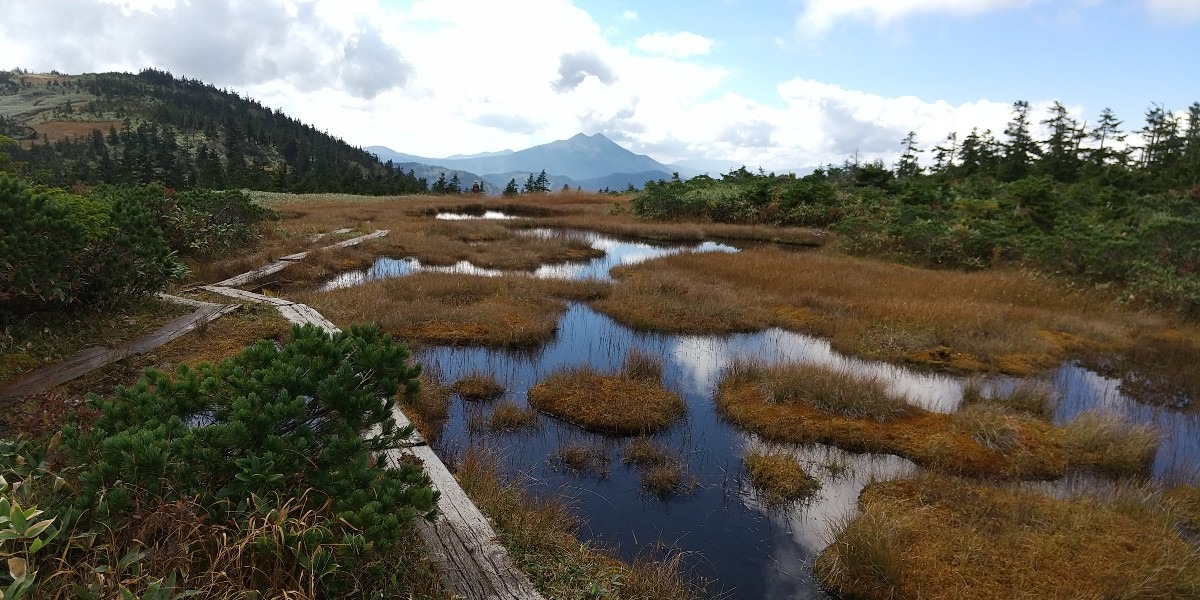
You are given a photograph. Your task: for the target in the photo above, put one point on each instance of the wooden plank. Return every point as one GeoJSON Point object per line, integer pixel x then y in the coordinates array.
{"type": "Point", "coordinates": [302, 314]}
{"type": "Point", "coordinates": [358, 240]}
{"type": "Point", "coordinates": [94, 358]}
{"type": "Point", "coordinates": [462, 543]}
{"type": "Point", "coordinates": [185, 301]}
{"type": "Point", "coordinates": [294, 257]}
{"type": "Point", "coordinates": [247, 277]}
{"type": "Point", "coordinates": [244, 295]}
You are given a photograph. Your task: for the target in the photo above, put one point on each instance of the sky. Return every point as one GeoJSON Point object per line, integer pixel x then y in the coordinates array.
{"type": "Point", "coordinates": [779, 85]}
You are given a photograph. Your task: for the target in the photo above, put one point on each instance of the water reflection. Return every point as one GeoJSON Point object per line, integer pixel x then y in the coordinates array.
{"type": "Point", "coordinates": [616, 253]}
{"type": "Point", "coordinates": [490, 215]}
{"type": "Point", "coordinates": [753, 551]}
{"type": "Point", "coordinates": [388, 268]}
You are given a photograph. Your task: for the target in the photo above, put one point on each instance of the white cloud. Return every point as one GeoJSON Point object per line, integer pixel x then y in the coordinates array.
{"type": "Point", "coordinates": [445, 77]}
{"type": "Point", "coordinates": [819, 16]}
{"type": "Point", "coordinates": [1175, 11]}
{"type": "Point", "coordinates": [676, 45]}
{"type": "Point", "coordinates": [629, 15]}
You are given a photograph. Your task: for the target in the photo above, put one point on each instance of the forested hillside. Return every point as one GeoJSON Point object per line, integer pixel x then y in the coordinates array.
{"type": "Point", "coordinates": [155, 128]}
{"type": "Point", "coordinates": [1081, 203]}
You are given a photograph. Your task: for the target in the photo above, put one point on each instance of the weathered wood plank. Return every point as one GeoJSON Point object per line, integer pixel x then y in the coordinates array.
{"type": "Point", "coordinates": [463, 544]}
{"type": "Point", "coordinates": [302, 314]}
{"type": "Point", "coordinates": [358, 240]}
{"type": "Point", "coordinates": [93, 358]}
{"type": "Point", "coordinates": [286, 261]}
{"type": "Point", "coordinates": [244, 295]}
{"type": "Point", "coordinates": [247, 277]}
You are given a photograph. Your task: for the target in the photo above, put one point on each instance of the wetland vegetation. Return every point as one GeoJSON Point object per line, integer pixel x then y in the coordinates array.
{"type": "Point", "coordinates": [931, 361]}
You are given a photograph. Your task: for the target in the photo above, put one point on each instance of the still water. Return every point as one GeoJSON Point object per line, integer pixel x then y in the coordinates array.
{"type": "Point", "coordinates": [727, 536]}
{"type": "Point", "coordinates": [616, 252]}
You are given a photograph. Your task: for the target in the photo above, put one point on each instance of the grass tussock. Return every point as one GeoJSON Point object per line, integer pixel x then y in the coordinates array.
{"type": "Point", "coordinates": [478, 387]}
{"type": "Point", "coordinates": [979, 440]}
{"type": "Point", "coordinates": [582, 458]}
{"type": "Point", "coordinates": [438, 308]}
{"type": "Point", "coordinates": [941, 537]}
{"type": "Point", "coordinates": [1126, 448]}
{"type": "Point", "coordinates": [429, 408]}
{"type": "Point", "coordinates": [505, 417]}
{"type": "Point", "coordinates": [663, 473]}
{"type": "Point", "coordinates": [629, 403]}
{"type": "Point", "coordinates": [539, 534]}
{"type": "Point", "coordinates": [779, 478]}
{"type": "Point", "coordinates": [995, 320]}
{"type": "Point", "coordinates": [827, 390]}
{"type": "Point", "coordinates": [1032, 397]}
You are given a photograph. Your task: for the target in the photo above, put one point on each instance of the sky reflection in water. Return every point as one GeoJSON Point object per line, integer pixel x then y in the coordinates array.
{"type": "Point", "coordinates": [752, 550]}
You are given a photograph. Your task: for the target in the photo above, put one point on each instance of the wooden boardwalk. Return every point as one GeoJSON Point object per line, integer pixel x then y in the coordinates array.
{"type": "Point", "coordinates": [90, 359]}
{"type": "Point", "coordinates": [461, 542]}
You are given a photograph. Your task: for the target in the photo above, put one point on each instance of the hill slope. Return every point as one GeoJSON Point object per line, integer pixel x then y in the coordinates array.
{"type": "Point", "coordinates": [154, 127]}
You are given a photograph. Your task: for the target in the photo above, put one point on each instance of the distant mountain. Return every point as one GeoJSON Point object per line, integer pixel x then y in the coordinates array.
{"type": "Point", "coordinates": [479, 155]}
{"type": "Point", "coordinates": [580, 157]}
{"type": "Point", "coordinates": [155, 127]}
{"type": "Point", "coordinates": [590, 162]}
{"type": "Point", "coordinates": [430, 173]}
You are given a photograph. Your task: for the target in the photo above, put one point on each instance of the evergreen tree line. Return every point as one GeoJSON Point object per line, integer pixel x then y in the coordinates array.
{"type": "Point", "coordinates": [183, 133]}
{"type": "Point", "coordinates": [1081, 203]}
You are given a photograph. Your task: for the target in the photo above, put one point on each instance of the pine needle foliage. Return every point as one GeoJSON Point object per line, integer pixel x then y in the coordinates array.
{"type": "Point", "coordinates": [305, 421]}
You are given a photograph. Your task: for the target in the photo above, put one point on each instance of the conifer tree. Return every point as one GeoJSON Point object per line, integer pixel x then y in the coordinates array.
{"type": "Point", "coordinates": [908, 165]}
{"type": "Point", "coordinates": [511, 188]}
{"type": "Point", "coordinates": [1021, 149]}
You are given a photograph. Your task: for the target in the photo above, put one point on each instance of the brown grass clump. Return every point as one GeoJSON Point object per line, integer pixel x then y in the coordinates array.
{"type": "Point", "coordinates": [1184, 503]}
{"type": "Point", "coordinates": [979, 440]}
{"type": "Point", "coordinates": [438, 308]}
{"type": "Point", "coordinates": [429, 408]}
{"type": "Point", "coordinates": [506, 417]}
{"type": "Point", "coordinates": [995, 320]}
{"type": "Point", "coordinates": [615, 404]}
{"type": "Point", "coordinates": [780, 478]}
{"type": "Point", "coordinates": [1125, 448]}
{"type": "Point", "coordinates": [582, 458]}
{"type": "Point", "coordinates": [825, 389]}
{"type": "Point", "coordinates": [1031, 397]}
{"type": "Point", "coordinates": [662, 471]}
{"type": "Point", "coordinates": [539, 534]}
{"type": "Point", "coordinates": [478, 387]}
{"type": "Point", "coordinates": [940, 537]}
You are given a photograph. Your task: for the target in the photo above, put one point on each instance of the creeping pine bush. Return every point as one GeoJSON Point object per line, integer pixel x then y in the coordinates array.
{"type": "Point", "coordinates": [61, 250]}
{"type": "Point", "coordinates": [272, 422]}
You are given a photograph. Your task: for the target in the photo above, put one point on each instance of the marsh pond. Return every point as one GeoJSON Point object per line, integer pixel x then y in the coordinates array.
{"type": "Point", "coordinates": [727, 533]}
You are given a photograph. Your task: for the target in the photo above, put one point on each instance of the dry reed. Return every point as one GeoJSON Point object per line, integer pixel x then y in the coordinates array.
{"type": "Point", "coordinates": [940, 537]}
{"type": "Point", "coordinates": [615, 404]}
{"type": "Point", "coordinates": [779, 478]}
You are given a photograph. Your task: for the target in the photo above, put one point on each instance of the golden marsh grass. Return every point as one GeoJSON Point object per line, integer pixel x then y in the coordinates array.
{"type": "Point", "coordinates": [779, 478]}
{"type": "Point", "coordinates": [440, 308]}
{"type": "Point", "coordinates": [941, 537]}
{"type": "Point", "coordinates": [980, 440]}
{"type": "Point", "coordinates": [478, 387]}
{"type": "Point", "coordinates": [616, 404]}
{"type": "Point", "coordinates": [1006, 321]}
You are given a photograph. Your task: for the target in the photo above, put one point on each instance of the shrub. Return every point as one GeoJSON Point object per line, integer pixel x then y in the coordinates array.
{"type": "Point", "coordinates": [63, 250]}
{"type": "Point", "coordinates": [282, 422]}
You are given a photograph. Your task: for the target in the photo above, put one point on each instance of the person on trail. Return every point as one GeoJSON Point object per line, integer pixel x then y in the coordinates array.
{"type": "Point", "coordinates": [476, 188]}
